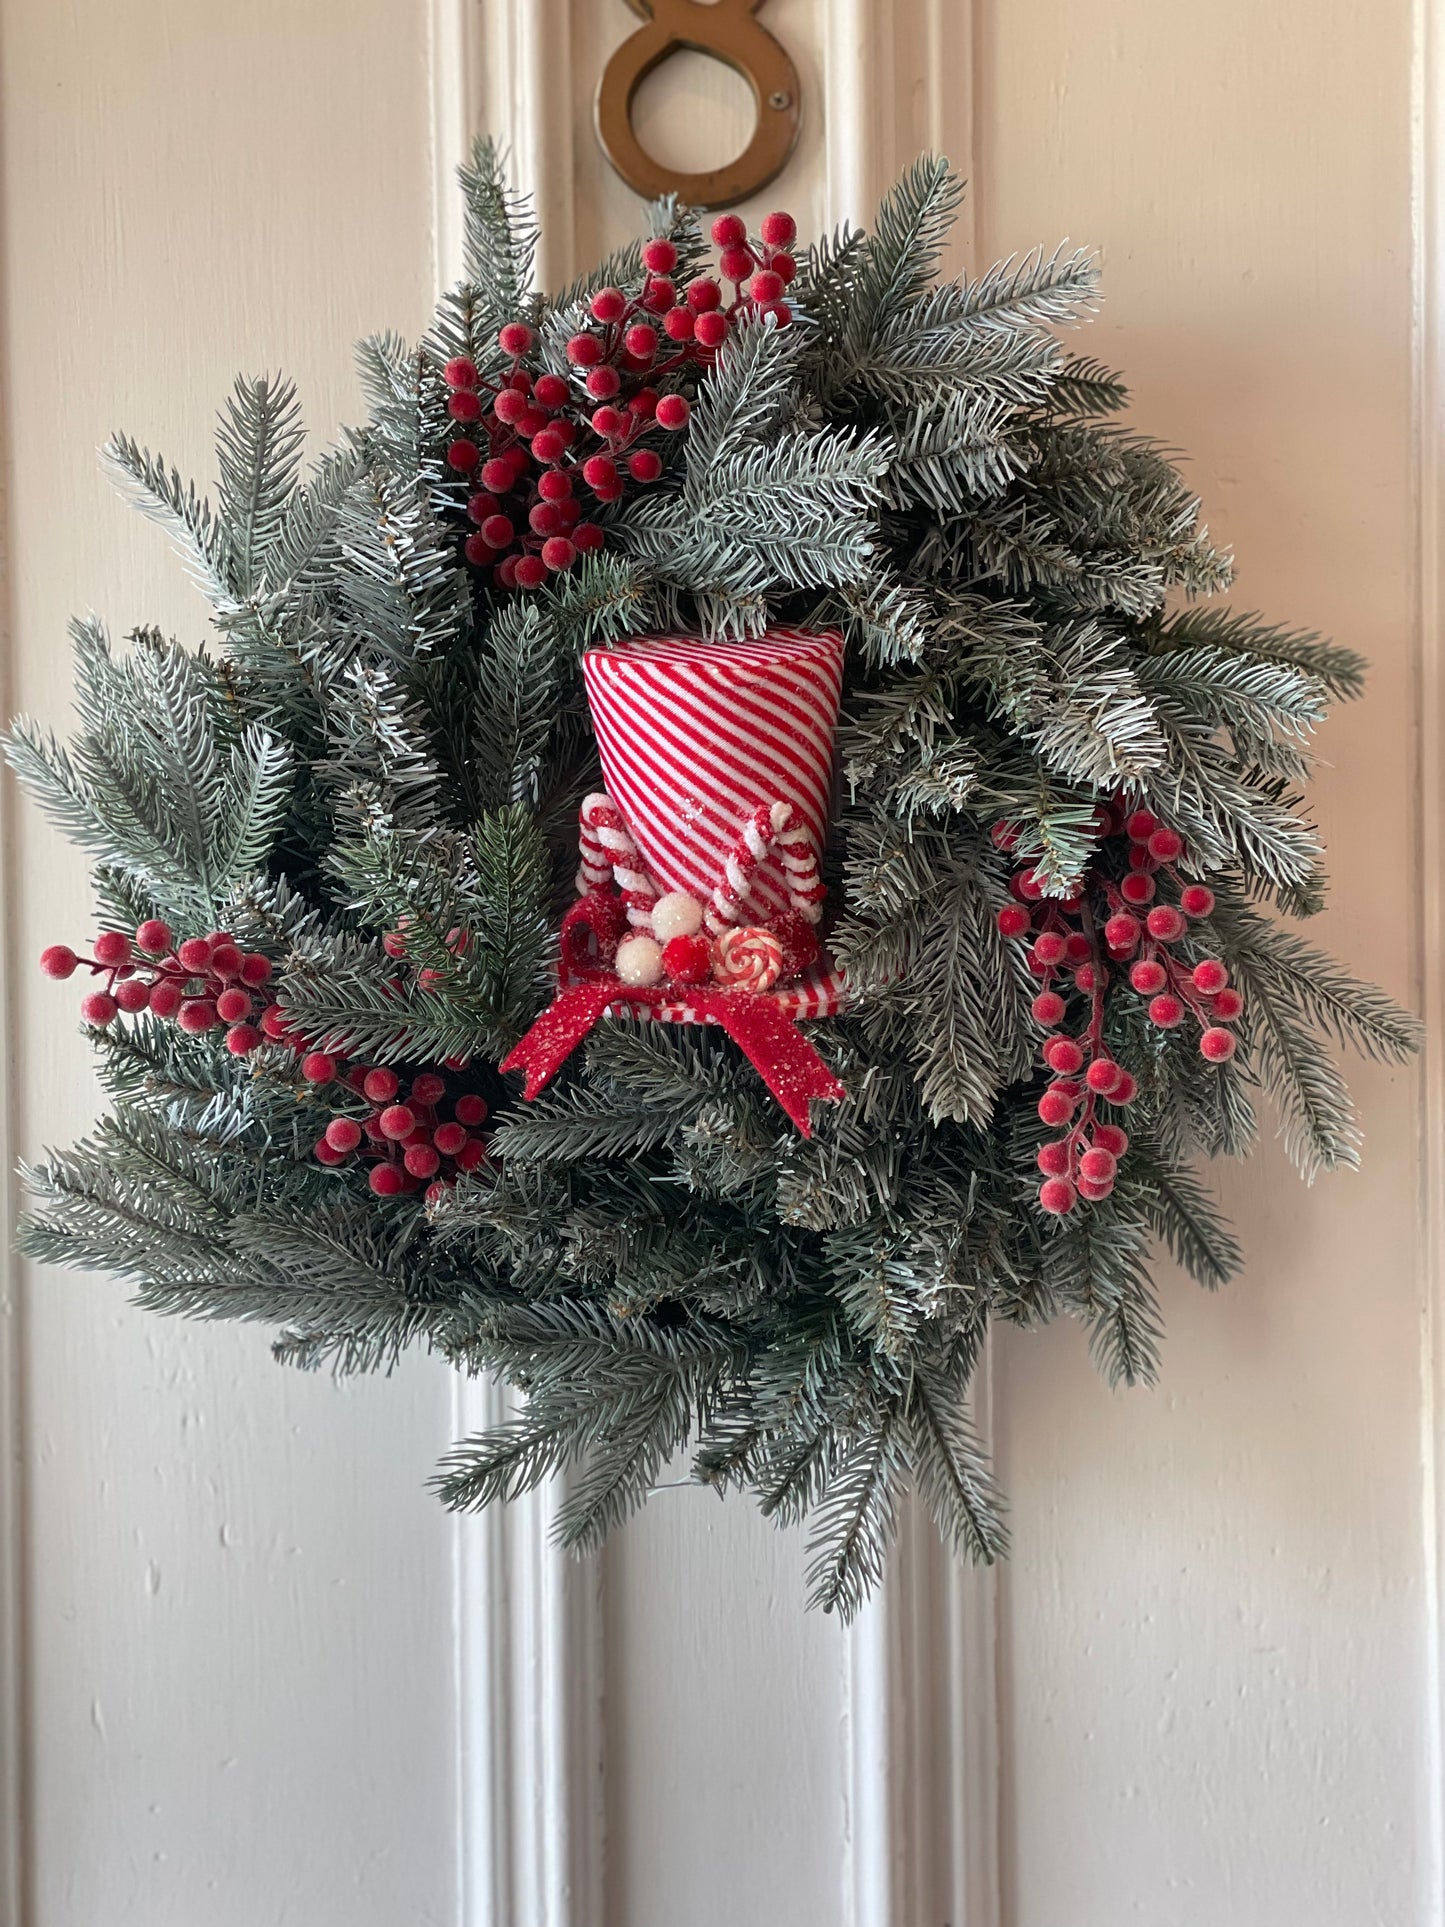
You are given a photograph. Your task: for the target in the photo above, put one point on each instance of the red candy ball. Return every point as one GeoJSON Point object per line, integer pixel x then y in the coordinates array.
{"type": "Point", "coordinates": [687, 960]}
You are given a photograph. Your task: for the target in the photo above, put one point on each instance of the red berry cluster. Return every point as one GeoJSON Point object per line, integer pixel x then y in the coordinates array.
{"type": "Point", "coordinates": [199, 985]}
{"type": "Point", "coordinates": [526, 439]}
{"type": "Point", "coordinates": [407, 1140]}
{"type": "Point", "coordinates": [1137, 936]}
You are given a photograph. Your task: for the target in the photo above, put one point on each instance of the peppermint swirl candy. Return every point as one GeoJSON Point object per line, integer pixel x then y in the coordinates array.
{"type": "Point", "coordinates": [746, 958]}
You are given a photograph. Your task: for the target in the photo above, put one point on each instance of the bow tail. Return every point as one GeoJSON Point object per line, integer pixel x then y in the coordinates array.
{"type": "Point", "coordinates": [778, 1051]}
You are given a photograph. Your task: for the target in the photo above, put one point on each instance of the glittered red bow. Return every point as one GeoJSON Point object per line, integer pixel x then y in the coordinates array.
{"type": "Point", "coordinates": [772, 1043]}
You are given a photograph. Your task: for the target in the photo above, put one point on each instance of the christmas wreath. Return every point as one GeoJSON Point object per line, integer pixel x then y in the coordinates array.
{"type": "Point", "coordinates": [929, 817]}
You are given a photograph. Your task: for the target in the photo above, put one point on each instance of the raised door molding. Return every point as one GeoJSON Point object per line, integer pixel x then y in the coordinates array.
{"type": "Point", "coordinates": [920, 1715]}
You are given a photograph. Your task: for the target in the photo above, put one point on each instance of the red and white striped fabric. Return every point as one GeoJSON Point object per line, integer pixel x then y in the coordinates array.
{"type": "Point", "coordinates": [694, 736]}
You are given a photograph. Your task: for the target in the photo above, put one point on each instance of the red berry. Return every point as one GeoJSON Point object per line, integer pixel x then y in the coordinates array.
{"type": "Point", "coordinates": [584, 351]}
{"type": "Point", "coordinates": [548, 445]}
{"type": "Point", "coordinates": [677, 324]}
{"type": "Point", "coordinates": [1098, 1165]}
{"type": "Point", "coordinates": [226, 959]}
{"type": "Point", "coordinates": [544, 518]}
{"type": "Point", "coordinates": [343, 1134]}
{"type": "Point", "coordinates": [608, 422]}
{"type": "Point", "coordinates": [737, 263]}
{"type": "Point", "coordinates": [515, 338]}
{"type": "Point", "coordinates": [1064, 1055]}
{"type": "Point", "coordinates": [784, 266]}
{"type": "Point", "coordinates": [1148, 976]}
{"type": "Point", "coordinates": [197, 1014]}
{"type": "Point", "coordinates": [242, 1039]}
{"type": "Point", "coordinates": [497, 531]}
{"type": "Point", "coordinates": [132, 994]}
{"type": "Point", "coordinates": [98, 1008]}
{"type": "Point", "coordinates": [387, 1180]}
{"type": "Point", "coordinates": [166, 997]}
{"type": "Point", "coordinates": [555, 486]}
{"type": "Point", "coordinates": [112, 947]}
{"type": "Point", "coordinates": [558, 553]}
{"type": "Point", "coordinates": [703, 295]}
{"type": "Point", "coordinates": [1210, 976]}
{"type": "Point", "coordinates": [766, 286]}
{"type": "Point", "coordinates": [421, 1160]}
{"type": "Point", "coordinates": [449, 1139]}
{"type": "Point", "coordinates": [600, 472]}
{"type": "Point", "coordinates": [397, 1121]}
{"type": "Point", "coordinates": [1109, 1137]}
{"type": "Point", "coordinates": [711, 330]}
{"type": "Point", "coordinates": [1218, 1045]}
{"type": "Point", "coordinates": [428, 1088]}
{"type": "Point", "coordinates": [645, 465]}
{"type": "Point", "coordinates": [659, 295]}
{"type": "Point", "coordinates": [531, 573]}
{"type": "Point", "coordinates": [1140, 826]}
{"type": "Point", "coordinates": [1166, 1011]}
{"type": "Point", "coordinates": [460, 372]}
{"type": "Point", "coordinates": [1049, 947]}
{"type": "Point", "coordinates": [659, 256]}
{"type": "Point", "coordinates": [1027, 885]}
{"type": "Point", "coordinates": [603, 383]}
{"type": "Point", "coordinates": [1094, 1191]}
{"type": "Point", "coordinates": [1102, 1075]}
{"type": "Point", "coordinates": [232, 1005]}
{"type": "Point", "coordinates": [154, 937]}
{"type": "Point", "coordinates": [1048, 1008]}
{"type": "Point", "coordinates": [509, 406]}
{"type": "Point", "coordinates": [463, 455]}
{"type": "Point", "coordinates": [1057, 1196]}
{"type": "Point", "coordinates": [609, 304]}
{"type": "Point", "coordinates": [551, 391]}
{"type": "Point", "coordinates": [1125, 1091]}
{"type": "Point", "coordinates": [643, 404]}
{"type": "Point", "coordinates": [779, 230]}
{"type": "Point", "coordinates": [1137, 889]}
{"type": "Point", "coordinates": [497, 475]}
{"type": "Point", "coordinates": [478, 551]}
{"type": "Point", "coordinates": [1195, 900]}
{"type": "Point", "coordinates": [471, 1154]}
{"type": "Point", "coordinates": [58, 960]}
{"type": "Point", "coordinates": [729, 231]}
{"type": "Point", "coordinates": [1122, 932]}
{"type": "Point", "coordinates": [380, 1085]}
{"type": "Point", "coordinates": [1228, 1004]}
{"type": "Point", "coordinates": [641, 341]}
{"type": "Point", "coordinates": [326, 1154]}
{"type": "Point", "coordinates": [464, 407]}
{"type": "Point", "coordinates": [255, 970]}
{"type": "Point", "coordinates": [318, 1067]}
{"type": "Point", "coordinates": [1077, 949]}
{"type": "Point", "coordinates": [1165, 845]}
{"type": "Point", "coordinates": [1085, 977]}
{"type": "Point", "coordinates": [587, 537]}
{"type": "Point", "coordinates": [1013, 920]}
{"type": "Point", "coordinates": [1055, 1108]}
{"type": "Point", "coordinates": [273, 1022]}
{"type": "Point", "coordinates": [1165, 923]}
{"type": "Point", "coordinates": [471, 1109]}
{"type": "Point", "coordinates": [687, 960]}
{"type": "Point", "coordinates": [1139, 857]}
{"type": "Point", "coordinates": [1053, 1158]}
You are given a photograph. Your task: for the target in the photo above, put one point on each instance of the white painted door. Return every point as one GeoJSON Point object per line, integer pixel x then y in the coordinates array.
{"type": "Point", "coordinates": [252, 1676]}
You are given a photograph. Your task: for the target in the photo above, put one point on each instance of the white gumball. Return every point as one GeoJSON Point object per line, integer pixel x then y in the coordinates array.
{"type": "Point", "coordinates": [676, 915]}
{"type": "Point", "coordinates": [639, 962]}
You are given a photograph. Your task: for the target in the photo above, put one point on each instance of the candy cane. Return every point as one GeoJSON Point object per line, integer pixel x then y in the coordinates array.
{"type": "Point", "coordinates": [608, 848]}
{"type": "Point", "coordinates": [769, 826]}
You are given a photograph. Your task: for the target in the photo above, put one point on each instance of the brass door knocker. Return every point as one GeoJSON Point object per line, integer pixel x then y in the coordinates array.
{"type": "Point", "coordinates": [726, 31]}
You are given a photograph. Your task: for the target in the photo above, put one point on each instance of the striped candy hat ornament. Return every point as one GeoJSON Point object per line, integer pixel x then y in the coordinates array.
{"type": "Point", "coordinates": [718, 762]}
